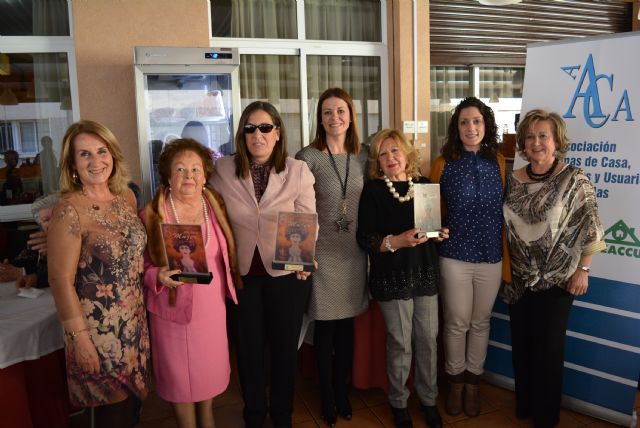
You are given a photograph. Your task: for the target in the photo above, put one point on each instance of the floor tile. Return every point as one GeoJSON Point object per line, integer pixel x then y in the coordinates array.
{"type": "Point", "coordinates": [232, 395]}
{"type": "Point", "coordinates": [363, 418]}
{"type": "Point", "coordinates": [499, 398]}
{"type": "Point", "coordinates": [370, 410]}
{"type": "Point", "coordinates": [568, 420]}
{"type": "Point", "coordinates": [229, 416]}
{"type": "Point", "coordinates": [495, 419]}
{"type": "Point", "coordinates": [373, 396]}
{"type": "Point", "coordinates": [155, 408]}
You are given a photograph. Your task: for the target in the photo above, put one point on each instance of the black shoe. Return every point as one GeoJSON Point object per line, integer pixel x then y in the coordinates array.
{"type": "Point", "coordinates": [432, 416]}
{"type": "Point", "coordinates": [330, 420]}
{"type": "Point", "coordinates": [401, 417]}
{"type": "Point", "coordinates": [344, 410]}
{"type": "Point", "coordinates": [328, 415]}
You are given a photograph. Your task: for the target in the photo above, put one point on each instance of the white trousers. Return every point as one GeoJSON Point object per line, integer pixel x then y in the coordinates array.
{"type": "Point", "coordinates": [468, 293]}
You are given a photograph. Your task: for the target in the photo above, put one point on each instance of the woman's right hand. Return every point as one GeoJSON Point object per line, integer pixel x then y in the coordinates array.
{"type": "Point", "coordinates": [164, 277]}
{"type": "Point", "coordinates": [38, 241]}
{"type": "Point", "coordinates": [86, 355]}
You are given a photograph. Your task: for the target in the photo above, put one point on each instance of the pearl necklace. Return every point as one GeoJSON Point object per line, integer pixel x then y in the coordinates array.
{"type": "Point", "coordinates": [395, 194]}
{"type": "Point", "coordinates": [204, 210]}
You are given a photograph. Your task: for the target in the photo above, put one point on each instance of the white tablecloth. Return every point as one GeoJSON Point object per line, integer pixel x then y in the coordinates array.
{"type": "Point", "coordinates": [29, 328]}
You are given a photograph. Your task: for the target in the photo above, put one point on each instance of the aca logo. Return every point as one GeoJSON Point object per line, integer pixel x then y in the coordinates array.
{"type": "Point", "coordinates": [622, 241]}
{"type": "Point", "coordinates": [588, 92]}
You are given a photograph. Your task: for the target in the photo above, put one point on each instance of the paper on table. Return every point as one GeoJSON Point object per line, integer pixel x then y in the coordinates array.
{"type": "Point", "coordinates": [30, 293]}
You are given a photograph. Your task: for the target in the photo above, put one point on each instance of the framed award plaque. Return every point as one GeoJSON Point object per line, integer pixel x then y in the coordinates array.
{"type": "Point", "coordinates": [184, 247]}
{"type": "Point", "coordinates": [426, 209]}
{"type": "Point", "coordinates": [296, 242]}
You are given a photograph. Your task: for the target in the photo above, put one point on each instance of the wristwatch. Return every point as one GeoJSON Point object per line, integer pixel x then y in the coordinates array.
{"type": "Point", "coordinates": [387, 244]}
{"type": "Point", "coordinates": [587, 269]}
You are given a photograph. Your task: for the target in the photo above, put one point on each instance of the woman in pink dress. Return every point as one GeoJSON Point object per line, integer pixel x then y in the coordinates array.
{"type": "Point", "coordinates": [188, 321]}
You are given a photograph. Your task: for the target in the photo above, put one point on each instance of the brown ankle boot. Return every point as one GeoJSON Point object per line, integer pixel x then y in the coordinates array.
{"type": "Point", "coordinates": [453, 405]}
{"type": "Point", "coordinates": [471, 394]}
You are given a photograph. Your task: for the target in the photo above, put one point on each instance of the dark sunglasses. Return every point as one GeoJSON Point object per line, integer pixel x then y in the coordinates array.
{"type": "Point", "coordinates": [264, 128]}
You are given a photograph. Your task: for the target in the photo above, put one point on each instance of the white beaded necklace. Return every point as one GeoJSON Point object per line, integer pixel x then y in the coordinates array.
{"type": "Point", "coordinates": [395, 194]}
{"type": "Point", "coordinates": [204, 210]}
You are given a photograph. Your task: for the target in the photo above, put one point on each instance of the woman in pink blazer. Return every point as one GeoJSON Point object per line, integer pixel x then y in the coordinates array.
{"type": "Point", "coordinates": [256, 183]}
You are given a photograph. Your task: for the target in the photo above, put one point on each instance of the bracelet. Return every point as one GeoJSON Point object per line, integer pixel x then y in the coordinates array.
{"type": "Point", "coordinates": [72, 334]}
{"type": "Point", "coordinates": [587, 269]}
{"type": "Point", "coordinates": [387, 244]}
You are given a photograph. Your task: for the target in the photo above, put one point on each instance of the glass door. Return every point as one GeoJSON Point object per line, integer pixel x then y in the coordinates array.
{"type": "Point", "coordinates": [194, 106]}
{"type": "Point", "coordinates": [191, 93]}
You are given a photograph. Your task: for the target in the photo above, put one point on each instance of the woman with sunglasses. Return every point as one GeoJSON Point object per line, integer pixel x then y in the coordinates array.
{"type": "Point", "coordinates": [256, 183]}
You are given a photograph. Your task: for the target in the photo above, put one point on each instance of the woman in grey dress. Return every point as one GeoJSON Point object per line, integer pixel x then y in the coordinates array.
{"type": "Point", "coordinates": [338, 162]}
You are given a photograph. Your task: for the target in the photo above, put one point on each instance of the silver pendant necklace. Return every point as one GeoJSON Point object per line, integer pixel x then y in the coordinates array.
{"type": "Point", "coordinates": [342, 223]}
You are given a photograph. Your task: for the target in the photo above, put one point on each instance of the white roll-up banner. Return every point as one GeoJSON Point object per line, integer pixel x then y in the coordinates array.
{"type": "Point", "coordinates": [594, 84]}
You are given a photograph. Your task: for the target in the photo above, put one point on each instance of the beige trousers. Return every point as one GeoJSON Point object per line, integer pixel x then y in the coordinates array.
{"type": "Point", "coordinates": [468, 291]}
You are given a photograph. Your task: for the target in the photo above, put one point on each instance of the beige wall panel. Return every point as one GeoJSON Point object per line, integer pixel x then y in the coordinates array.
{"type": "Point", "coordinates": [106, 32]}
{"type": "Point", "coordinates": [401, 60]}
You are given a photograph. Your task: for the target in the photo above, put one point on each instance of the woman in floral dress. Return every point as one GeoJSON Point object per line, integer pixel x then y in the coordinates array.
{"type": "Point", "coordinates": [95, 247]}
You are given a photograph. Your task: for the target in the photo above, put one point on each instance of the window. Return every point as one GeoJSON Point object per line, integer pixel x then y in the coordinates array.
{"type": "Point", "coordinates": [359, 76]}
{"type": "Point", "coordinates": [38, 91]}
{"type": "Point", "coordinates": [346, 20]}
{"type": "Point", "coordinates": [270, 19]}
{"type": "Point", "coordinates": [499, 87]}
{"type": "Point", "coordinates": [275, 78]}
{"type": "Point", "coordinates": [34, 18]}
{"type": "Point", "coordinates": [283, 63]}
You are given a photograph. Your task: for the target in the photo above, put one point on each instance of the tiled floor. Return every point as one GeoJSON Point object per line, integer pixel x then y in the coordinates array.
{"type": "Point", "coordinates": [370, 409]}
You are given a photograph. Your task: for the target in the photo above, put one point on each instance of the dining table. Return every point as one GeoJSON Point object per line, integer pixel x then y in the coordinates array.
{"type": "Point", "coordinates": [33, 389]}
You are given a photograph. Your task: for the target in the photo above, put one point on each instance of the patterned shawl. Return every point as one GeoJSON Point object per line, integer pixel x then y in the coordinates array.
{"type": "Point", "coordinates": [550, 225]}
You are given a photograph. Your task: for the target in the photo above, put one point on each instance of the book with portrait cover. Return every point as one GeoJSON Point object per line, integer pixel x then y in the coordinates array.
{"type": "Point", "coordinates": [184, 247]}
{"type": "Point", "coordinates": [426, 209]}
{"type": "Point", "coordinates": [296, 241]}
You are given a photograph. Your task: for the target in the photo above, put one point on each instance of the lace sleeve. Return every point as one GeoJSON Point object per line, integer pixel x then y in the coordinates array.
{"type": "Point", "coordinates": [64, 242]}
{"type": "Point", "coordinates": [367, 235]}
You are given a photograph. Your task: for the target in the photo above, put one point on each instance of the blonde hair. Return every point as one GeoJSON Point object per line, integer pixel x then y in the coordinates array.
{"type": "Point", "coordinates": [559, 131]}
{"type": "Point", "coordinates": [374, 170]}
{"type": "Point", "coordinates": [119, 177]}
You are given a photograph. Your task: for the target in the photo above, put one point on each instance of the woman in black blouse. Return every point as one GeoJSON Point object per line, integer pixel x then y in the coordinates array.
{"type": "Point", "coordinates": [403, 275]}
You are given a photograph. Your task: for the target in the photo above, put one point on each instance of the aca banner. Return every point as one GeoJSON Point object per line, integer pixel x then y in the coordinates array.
{"type": "Point", "coordinates": [593, 84]}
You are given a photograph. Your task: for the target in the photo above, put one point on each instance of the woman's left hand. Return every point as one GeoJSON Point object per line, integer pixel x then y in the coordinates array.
{"type": "Point", "coordinates": [304, 275]}
{"type": "Point", "coordinates": [578, 283]}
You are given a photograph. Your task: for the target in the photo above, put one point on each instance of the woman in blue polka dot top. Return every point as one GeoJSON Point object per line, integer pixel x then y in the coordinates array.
{"type": "Point", "coordinates": [471, 176]}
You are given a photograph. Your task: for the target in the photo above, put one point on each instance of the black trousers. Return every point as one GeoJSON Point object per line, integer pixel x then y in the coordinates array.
{"type": "Point", "coordinates": [333, 348]}
{"type": "Point", "coordinates": [538, 330]}
{"type": "Point", "coordinates": [270, 313]}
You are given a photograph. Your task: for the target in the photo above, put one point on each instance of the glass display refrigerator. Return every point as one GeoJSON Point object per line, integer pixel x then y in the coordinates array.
{"type": "Point", "coordinates": [184, 93]}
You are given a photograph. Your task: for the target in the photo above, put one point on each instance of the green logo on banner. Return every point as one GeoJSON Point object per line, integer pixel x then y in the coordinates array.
{"type": "Point", "coordinates": [622, 241]}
